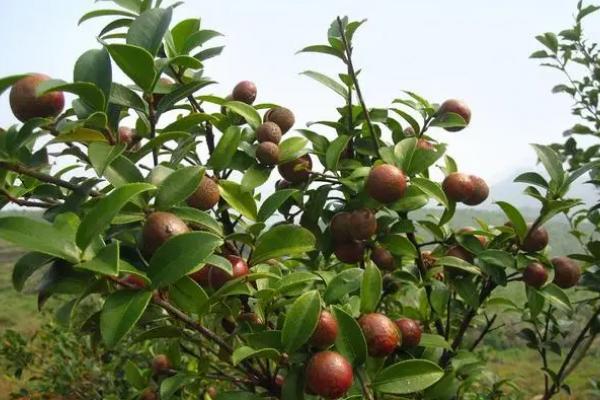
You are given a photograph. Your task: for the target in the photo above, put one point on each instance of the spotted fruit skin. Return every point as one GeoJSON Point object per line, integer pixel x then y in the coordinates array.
{"type": "Point", "coordinates": [326, 332]}
{"type": "Point", "coordinates": [410, 331]}
{"type": "Point", "coordinates": [25, 104]}
{"type": "Point", "coordinates": [328, 375]}
{"type": "Point", "coordinates": [381, 334]}
{"type": "Point", "coordinates": [386, 183]}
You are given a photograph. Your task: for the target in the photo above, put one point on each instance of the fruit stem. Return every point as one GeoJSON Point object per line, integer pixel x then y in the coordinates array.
{"type": "Point", "coordinates": [360, 374]}
{"type": "Point", "coordinates": [352, 74]}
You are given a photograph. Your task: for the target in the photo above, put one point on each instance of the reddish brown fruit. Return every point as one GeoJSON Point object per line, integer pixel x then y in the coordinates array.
{"type": "Point", "coordinates": [164, 86]}
{"type": "Point", "coordinates": [206, 196]}
{"type": "Point", "coordinates": [269, 132]}
{"type": "Point", "coordinates": [424, 144]}
{"type": "Point", "coordinates": [134, 281]}
{"type": "Point", "coordinates": [26, 105]}
{"type": "Point", "coordinates": [535, 275]}
{"type": "Point", "coordinates": [161, 364]}
{"type": "Point", "coordinates": [350, 252]}
{"type": "Point", "coordinates": [363, 224]}
{"type": "Point", "coordinates": [149, 394]}
{"type": "Point", "coordinates": [410, 331]}
{"type": "Point", "coordinates": [428, 259]}
{"type": "Point", "coordinates": [460, 252]}
{"type": "Point", "coordinates": [340, 227]}
{"type": "Point", "coordinates": [409, 131]}
{"type": "Point", "coordinates": [381, 334]}
{"type": "Point", "coordinates": [458, 107]}
{"type": "Point", "coordinates": [282, 116]}
{"type": "Point", "coordinates": [217, 278]}
{"type": "Point", "coordinates": [383, 258]}
{"type": "Point", "coordinates": [267, 153]}
{"type": "Point", "coordinates": [245, 91]}
{"type": "Point", "coordinates": [566, 272]}
{"type": "Point", "coordinates": [202, 276]}
{"type": "Point", "coordinates": [480, 193]}
{"type": "Point", "coordinates": [328, 375]}
{"type": "Point", "coordinates": [536, 240]}
{"type": "Point", "coordinates": [458, 186]}
{"type": "Point", "coordinates": [326, 332]}
{"type": "Point", "coordinates": [296, 171]}
{"type": "Point", "coordinates": [282, 184]}
{"type": "Point", "coordinates": [386, 183]}
{"type": "Point", "coordinates": [129, 137]}
{"type": "Point", "coordinates": [468, 230]}
{"type": "Point", "coordinates": [160, 227]}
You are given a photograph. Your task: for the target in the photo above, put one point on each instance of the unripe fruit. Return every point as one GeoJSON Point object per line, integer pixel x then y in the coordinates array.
{"type": "Point", "coordinates": [326, 332]}
{"type": "Point", "coordinates": [383, 258]}
{"type": "Point", "coordinates": [26, 105]}
{"type": "Point", "coordinates": [409, 131]}
{"type": "Point", "coordinates": [381, 334]}
{"type": "Point", "coordinates": [340, 227]}
{"type": "Point", "coordinates": [424, 144]}
{"type": "Point", "coordinates": [129, 137]}
{"type": "Point", "coordinates": [458, 107]}
{"type": "Point", "coordinates": [296, 171]}
{"type": "Point", "coordinates": [161, 364]}
{"type": "Point", "coordinates": [206, 196]}
{"type": "Point", "coordinates": [165, 85]}
{"type": "Point", "coordinates": [269, 132]}
{"type": "Point", "coordinates": [363, 224]}
{"type": "Point", "coordinates": [149, 394]}
{"type": "Point", "coordinates": [134, 281]}
{"type": "Point", "coordinates": [566, 272]}
{"type": "Point", "coordinates": [267, 153]}
{"type": "Point", "coordinates": [282, 116]}
{"type": "Point", "coordinates": [535, 275]}
{"type": "Point", "coordinates": [211, 391]}
{"type": "Point", "coordinates": [216, 278]}
{"type": "Point", "coordinates": [328, 375]}
{"type": "Point", "coordinates": [160, 227]}
{"type": "Point", "coordinates": [458, 186]}
{"type": "Point", "coordinates": [460, 252]}
{"type": "Point", "coordinates": [480, 193]}
{"type": "Point", "coordinates": [536, 240]}
{"type": "Point", "coordinates": [386, 183]}
{"type": "Point", "coordinates": [350, 252]}
{"type": "Point", "coordinates": [245, 91]}
{"type": "Point", "coordinates": [410, 331]}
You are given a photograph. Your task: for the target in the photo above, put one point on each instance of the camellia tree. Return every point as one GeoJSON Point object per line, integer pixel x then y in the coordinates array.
{"type": "Point", "coordinates": [331, 284]}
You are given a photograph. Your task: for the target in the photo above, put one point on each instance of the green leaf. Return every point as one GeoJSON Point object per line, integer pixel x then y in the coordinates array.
{"type": "Point", "coordinates": [136, 62]}
{"type": "Point", "coordinates": [156, 143]}
{"type": "Point", "coordinates": [433, 341]}
{"type": "Point", "coordinates": [329, 82]}
{"type": "Point", "coordinates": [350, 341]}
{"type": "Point", "coordinates": [198, 39]}
{"type": "Point", "coordinates": [103, 212]}
{"type": "Point", "coordinates": [346, 282]}
{"type": "Point", "coordinates": [223, 153]}
{"type": "Point", "coordinates": [246, 111]}
{"type": "Point", "coordinates": [404, 151]}
{"type": "Point", "coordinates": [8, 81]}
{"type": "Point", "coordinates": [408, 118]}
{"type": "Point", "coordinates": [323, 49]}
{"type": "Point", "coordinates": [449, 120]}
{"type": "Point", "coordinates": [181, 92]}
{"type": "Point", "coordinates": [178, 186]}
{"type": "Point", "coordinates": [26, 266]}
{"type": "Point", "coordinates": [169, 386]}
{"type": "Point", "coordinates": [189, 296]}
{"type": "Point", "coordinates": [120, 313]}
{"type": "Point", "coordinates": [370, 289]}
{"type": "Point", "coordinates": [283, 241]}
{"type": "Point", "coordinates": [535, 301]}
{"type": "Point", "coordinates": [551, 162]}
{"type": "Point", "coordinates": [106, 261]}
{"type": "Point", "coordinates": [292, 148]}
{"type": "Point", "coordinates": [407, 377]}
{"type": "Point", "coordinates": [549, 40]}
{"type": "Point", "coordinates": [399, 245]}
{"type": "Point", "coordinates": [148, 30]}
{"type": "Point", "coordinates": [255, 176]}
{"type": "Point", "coordinates": [123, 96]}
{"type": "Point", "coordinates": [189, 121]}
{"type": "Point", "coordinates": [104, 13]}
{"type": "Point", "coordinates": [301, 320]}
{"type": "Point", "coordinates": [273, 202]}
{"type": "Point", "coordinates": [102, 154]}
{"type": "Point", "coordinates": [39, 235]}
{"type": "Point", "coordinates": [133, 375]}
{"type": "Point", "coordinates": [94, 67]}
{"type": "Point", "coordinates": [180, 255]}
{"type": "Point", "coordinates": [245, 352]}
{"type": "Point", "coordinates": [88, 92]}
{"type": "Point", "coordinates": [431, 188]}
{"type": "Point", "coordinates": [198, 217]}
{"type": "Point", "coordinates": [496, 257]}
{"type": "Point", "coordinates": [455, 262]}
{"type": "Point", "coordinates": [182, 31]}
{"type": "Point", "coordinates": [81, 135]}
{"type": "Point", "coordinates": [122, 171]}
{"type": "Point", "coordinates": [556, 296]}
{"type": "Point", "coordinates": [295, 280]}
{"type": "Point", "coordinates": [532, 178]}
{"type": "Point", "coordinates": [239, 199]}
{"type": "Point", "coordinates": [335, 150]}
{"type": "Point", "coordinates": [515, 217]}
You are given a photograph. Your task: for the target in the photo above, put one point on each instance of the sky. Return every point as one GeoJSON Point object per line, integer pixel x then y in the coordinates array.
{"type": "Point", "coordinates": [468, 49]}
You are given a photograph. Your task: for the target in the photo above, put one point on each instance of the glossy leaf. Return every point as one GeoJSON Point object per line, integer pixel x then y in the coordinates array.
{"type": "Point", "coordinates": [136, 62]}
{"type": "Point", "coordinates": [370, 289]}
{"type": "Point", "coordinates": [148, 30]}
{"type": "Point", "coordinates": [178, 186]}
{"type": "Point", "coordinates": [226, 148]}
{"type": "Point", "coordinates": [239, 199]}
{"type": "Point", "coordinates": [273, 202]}
{"type": "Point", "coordinates": [283, 240]}
{"type": "Point", "coordinates": [407, 377]}
{"type": "Point", "coordinates": [120, 313]}
{"type": "Point", "coordinates": [350, 341]}
{"type": "Point", "coordinates": [301, 320]}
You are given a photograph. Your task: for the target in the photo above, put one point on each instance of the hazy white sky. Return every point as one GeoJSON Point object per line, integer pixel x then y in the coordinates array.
{"type": "Point", "coordinates": [471, 49]}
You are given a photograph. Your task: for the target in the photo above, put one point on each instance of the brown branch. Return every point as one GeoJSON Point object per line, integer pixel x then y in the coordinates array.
{"type": "Point", "coordinates": [23, 202]}
{"type": "Point", "coordinates": [485, 331]}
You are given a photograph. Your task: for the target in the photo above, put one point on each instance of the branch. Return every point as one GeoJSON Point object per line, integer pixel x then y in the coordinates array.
{"type": "Point", "coordinates": [357, 86]}
{"type": "Point", "coordinates": [23, 202]}
{"type": "Point", "coordinates": [486, 330]}
{"type": "Point", "coordinates": [46, 178]}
